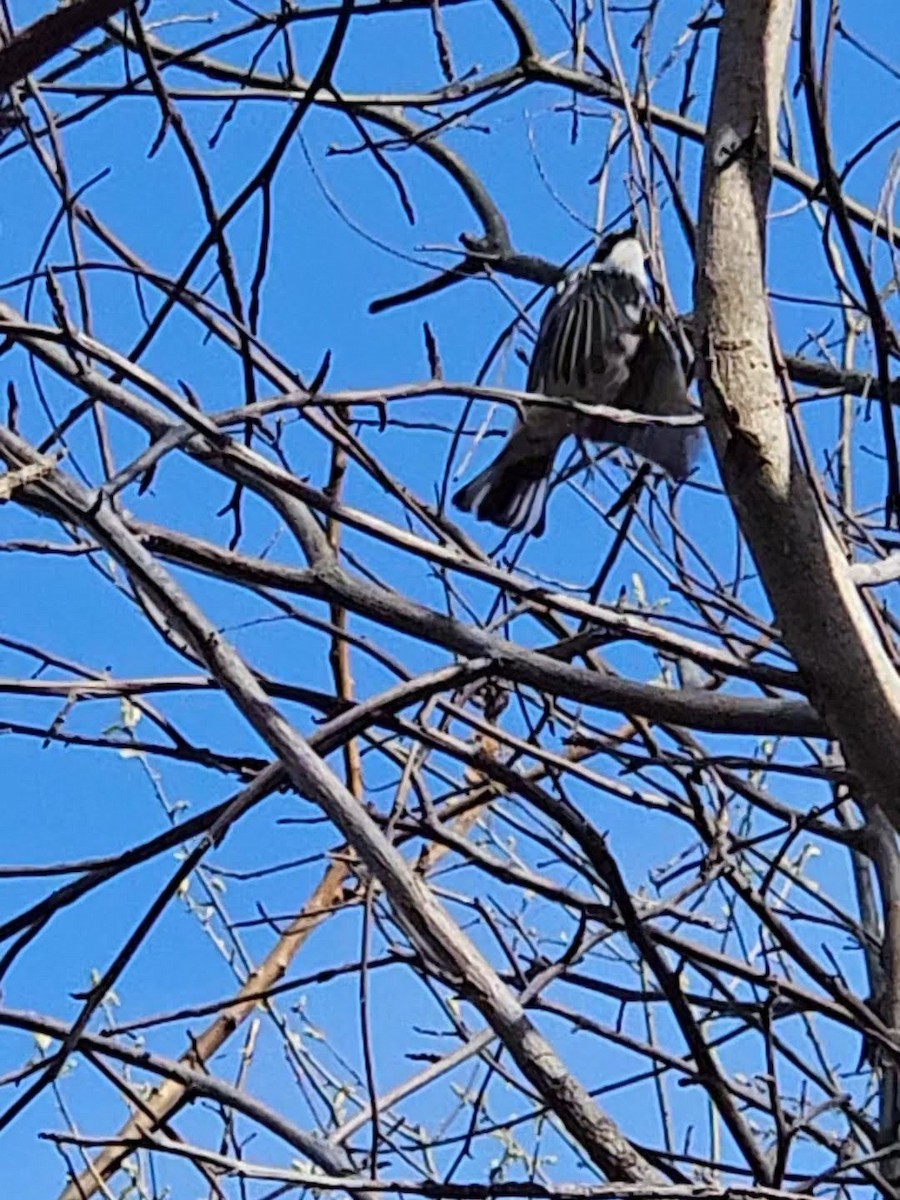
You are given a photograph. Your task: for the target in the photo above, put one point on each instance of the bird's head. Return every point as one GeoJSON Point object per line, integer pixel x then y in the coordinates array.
{"type": "Point", "coordinates": [622, 251]}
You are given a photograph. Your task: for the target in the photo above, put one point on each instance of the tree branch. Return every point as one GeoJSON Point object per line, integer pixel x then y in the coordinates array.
{"type": "Point", "coordinates": [37, 43]}
{"type": "Point", "coordinates": [825, 622]}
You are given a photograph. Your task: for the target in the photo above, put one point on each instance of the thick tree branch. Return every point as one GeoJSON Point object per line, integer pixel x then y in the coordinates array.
{"type": "Point", "coordinates": [37, 43]}
{"type": "Point", "coordinates": [451, 956]}
{"type": "Point", "coordinates": [824, 620]}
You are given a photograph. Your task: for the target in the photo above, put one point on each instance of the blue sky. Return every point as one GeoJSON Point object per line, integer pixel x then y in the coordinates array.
{"type": "Point", "coordinates": [322, 276]}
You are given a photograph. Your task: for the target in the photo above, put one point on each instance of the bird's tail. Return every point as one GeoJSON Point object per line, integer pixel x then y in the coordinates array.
{"type": "Point", "coordinates": [512, 491]}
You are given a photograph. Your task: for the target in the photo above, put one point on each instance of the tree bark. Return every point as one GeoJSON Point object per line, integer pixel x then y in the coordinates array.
{"type": "Point", "coordinates": [49, 35]}
{"type": "Point", "coordinates": [824, 620]}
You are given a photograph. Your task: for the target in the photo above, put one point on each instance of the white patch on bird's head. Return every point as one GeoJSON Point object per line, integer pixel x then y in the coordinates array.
{"type": "Point", "coordinates": [626, 255]}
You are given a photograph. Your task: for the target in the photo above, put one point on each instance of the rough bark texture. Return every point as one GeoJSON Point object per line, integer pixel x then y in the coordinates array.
{"type": "Point", "coordinates": [824, 619]}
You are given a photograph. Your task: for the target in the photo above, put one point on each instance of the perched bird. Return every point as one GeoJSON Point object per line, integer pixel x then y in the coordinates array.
{"type": "Point", "coordinates": [602, 341]}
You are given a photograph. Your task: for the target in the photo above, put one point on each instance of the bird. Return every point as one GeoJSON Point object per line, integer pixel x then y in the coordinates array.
{"type": "Point", "coordinates": [601, 341]}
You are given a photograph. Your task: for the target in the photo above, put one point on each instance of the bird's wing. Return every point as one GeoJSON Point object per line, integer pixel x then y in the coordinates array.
{"type": "Point", "coordinates": [655, 385]}
{"type": "Point", "coordinates": [589, 335]}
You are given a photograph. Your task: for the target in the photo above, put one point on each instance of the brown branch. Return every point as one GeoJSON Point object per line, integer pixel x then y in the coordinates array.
{"type": "Point", "coordinates": [50, 34]}
{"type": "Point", "coordinates": [694, 708]}
{"type": "Point", "coordinates": [451, 956]}
{"type": "Point", "coordinates": [379, 108]}
{"type": "Point", "coordinates": [170, 1095]}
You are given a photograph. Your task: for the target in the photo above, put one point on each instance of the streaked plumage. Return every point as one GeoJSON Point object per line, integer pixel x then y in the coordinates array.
{"type": "Point", "coordinates": [601, 342]}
